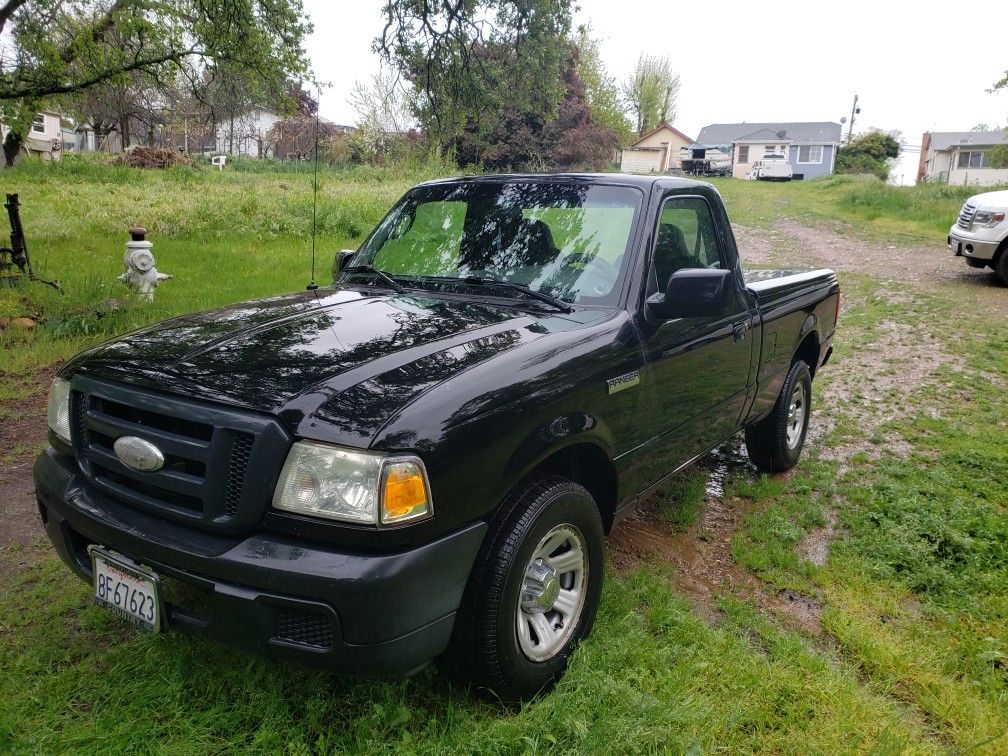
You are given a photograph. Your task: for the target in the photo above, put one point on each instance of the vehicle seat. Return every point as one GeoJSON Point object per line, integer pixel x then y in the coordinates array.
{"type": "Point", "coordinates": [533, 243]}
{"type": "Point", "coordinates": [671, 254]}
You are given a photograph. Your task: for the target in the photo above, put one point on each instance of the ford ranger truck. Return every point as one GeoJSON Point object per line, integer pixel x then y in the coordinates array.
{"type": "Point", "coordinates": [421, 461]}
{"type": "Point", "coordinates": [980, 233]}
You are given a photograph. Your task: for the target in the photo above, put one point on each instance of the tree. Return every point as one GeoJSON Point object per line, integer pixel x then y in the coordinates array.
{"type": "Point", "coordinates": [601, 91]}
{"type": "Point", "coordinates": [63, 47]}
{"type": "Point", "coordinates": [652, 93]}
{"type": "Point", "coordinates": [470, 61]}
{"type": "Point", "coordinates": [998, 156]}
{"type": "Point", "coordinates": [525, 139]}
{"type": "Point", "coordinates": [872, 152]}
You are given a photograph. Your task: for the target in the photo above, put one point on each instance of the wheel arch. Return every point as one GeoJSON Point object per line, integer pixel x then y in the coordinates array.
{"type": "Point", "coordinates": [587, 463]}
{"type": "Point", "coordinates": [809, 350]}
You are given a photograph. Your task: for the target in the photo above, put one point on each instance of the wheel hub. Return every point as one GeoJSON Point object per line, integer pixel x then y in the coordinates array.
{"type": "Point", "coordinates": [553, 591]}
{"type": "Point", "coordinates": [540, 588]}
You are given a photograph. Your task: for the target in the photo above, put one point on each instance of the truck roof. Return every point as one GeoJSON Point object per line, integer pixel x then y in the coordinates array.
{"type": "Point", "coordinates": [624, 179]}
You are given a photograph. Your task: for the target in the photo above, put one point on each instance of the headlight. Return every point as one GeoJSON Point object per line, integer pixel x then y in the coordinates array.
{"type": "Point", "coordinates": [352, 486]}
{"type": "Point", "coordinates": [58, 411]}
{"type": "Point", "coordinates": [988, 218]}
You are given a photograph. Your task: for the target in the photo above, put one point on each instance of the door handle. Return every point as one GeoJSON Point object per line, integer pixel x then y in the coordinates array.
{"type": "Point", "coordinates": [739, 331]}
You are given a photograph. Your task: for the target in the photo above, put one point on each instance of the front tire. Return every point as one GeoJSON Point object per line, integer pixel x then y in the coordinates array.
{"type": "Point", "coordinates": [1001, 266]}
{"type": "Point", "coordinates": [533, 592]}
{"type": "Point", "coordinates": [775, 442]}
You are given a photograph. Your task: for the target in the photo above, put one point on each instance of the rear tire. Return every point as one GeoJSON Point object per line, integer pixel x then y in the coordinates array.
{"type": "Point", "coordinates": [775, 442]}
{"type": "Point", "coordinates": [539, 573]}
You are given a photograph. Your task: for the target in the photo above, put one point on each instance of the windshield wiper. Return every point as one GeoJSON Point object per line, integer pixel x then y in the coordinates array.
{"type": "Point", "coordinates": [523, 289]}
{"type": "Point", "coordinates": [392, 283]}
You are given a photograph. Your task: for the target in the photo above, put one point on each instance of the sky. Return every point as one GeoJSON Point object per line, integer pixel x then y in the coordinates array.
{"type": "Point", "coordinates": [915, 66]}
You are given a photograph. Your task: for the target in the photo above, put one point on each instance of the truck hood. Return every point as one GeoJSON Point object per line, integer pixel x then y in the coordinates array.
{"type": "Point", "coordinates": [333, 364]}
{"type": "Point", "coordinates": [992, 200]}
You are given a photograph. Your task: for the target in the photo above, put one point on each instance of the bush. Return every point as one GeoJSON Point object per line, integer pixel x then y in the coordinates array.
{"type": "Point", "coordinates": [998, 156]}
{"type": "Point", "coordinates": [868, 153]}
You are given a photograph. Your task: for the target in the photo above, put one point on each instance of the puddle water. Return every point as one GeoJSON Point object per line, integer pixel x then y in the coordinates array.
{"type": "Point", "coordinates": [728, 458]}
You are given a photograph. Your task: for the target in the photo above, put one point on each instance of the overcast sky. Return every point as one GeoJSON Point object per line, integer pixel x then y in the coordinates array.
{"type": "Point", "coordinates": [921, 67]}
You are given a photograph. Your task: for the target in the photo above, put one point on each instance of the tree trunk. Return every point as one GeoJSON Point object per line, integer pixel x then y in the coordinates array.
{"type": "Point", "coordinates": [12, 146]}
{"type": "Point", "coordinates": [124, 132]}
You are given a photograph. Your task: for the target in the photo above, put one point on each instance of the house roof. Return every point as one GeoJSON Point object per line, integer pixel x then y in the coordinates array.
{"type": "Point", "coordinates": [946, 140]}
{"type": "Point", "coordinates": [658, 128]}
{"type": "Point", "coordinates": [821, 132]}
{"type": "Point", "coordinates": [763, 135]}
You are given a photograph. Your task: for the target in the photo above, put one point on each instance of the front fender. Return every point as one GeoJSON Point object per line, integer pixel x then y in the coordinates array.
{"type": "Point", "coordinates": [559, 433]}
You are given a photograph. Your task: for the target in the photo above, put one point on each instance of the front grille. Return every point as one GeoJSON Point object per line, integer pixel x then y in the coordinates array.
{"type": "Point", "coordinates": [241, 450]}
{"type": "Point", "coordinates": [306, 628]}
{"type": "Point", "coordinates": [966, 216]}
{"type": "Point", "coordinates": [219, 467]}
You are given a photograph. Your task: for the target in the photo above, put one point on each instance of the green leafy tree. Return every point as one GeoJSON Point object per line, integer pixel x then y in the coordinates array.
{"type": "Point", "coordinates": [873, 152]}
{"type": "Point", "coordinates": [60, 48]}
{"type": "Point", "coordinates": [998, 156]}
{"type": "Point", "coordinates": [472, 61]}
{"type": "Point", "coordinates": [652, 93]}
{"type": "Point", "coordinates": [602, 93]}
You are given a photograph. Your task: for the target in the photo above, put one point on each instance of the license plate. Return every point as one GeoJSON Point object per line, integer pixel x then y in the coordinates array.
{"type": "Point", "coordinates": [126, 588]}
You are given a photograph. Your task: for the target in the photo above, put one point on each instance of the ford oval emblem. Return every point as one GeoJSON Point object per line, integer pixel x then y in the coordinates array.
{"type": "Point", "coordinates": [138, 454]}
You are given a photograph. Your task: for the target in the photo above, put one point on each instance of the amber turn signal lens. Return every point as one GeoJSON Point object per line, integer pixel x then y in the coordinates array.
{"type": "Point", "coordinates": [405, 495]}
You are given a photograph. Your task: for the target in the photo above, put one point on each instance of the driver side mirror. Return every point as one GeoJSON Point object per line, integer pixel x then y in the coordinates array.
{"type": "Point", "coordinates": [692, 293]}
{"type": "Point", "coordinates": [341, 260]}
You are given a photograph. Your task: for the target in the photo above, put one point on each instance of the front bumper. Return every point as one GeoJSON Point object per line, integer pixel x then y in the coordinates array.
{"type": "Point", "coordinates": [360, 614]}
{"type": "Point", "coordinates": [969, 244]}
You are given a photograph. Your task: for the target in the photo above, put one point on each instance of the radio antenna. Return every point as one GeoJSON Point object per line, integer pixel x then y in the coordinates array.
{"type": "Point", "coordinates": [311, 284]}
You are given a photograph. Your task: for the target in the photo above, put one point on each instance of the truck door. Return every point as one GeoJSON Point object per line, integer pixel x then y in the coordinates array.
{"type": "Point", "coordinates": [697, 369]}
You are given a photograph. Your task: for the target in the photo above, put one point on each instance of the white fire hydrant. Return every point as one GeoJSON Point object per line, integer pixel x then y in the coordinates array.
{"type": "Point", "coordinates": [140, 273]}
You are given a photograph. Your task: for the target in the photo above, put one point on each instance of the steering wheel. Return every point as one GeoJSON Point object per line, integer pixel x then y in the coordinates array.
{"type": "Point", "coordinates": [603, 268]}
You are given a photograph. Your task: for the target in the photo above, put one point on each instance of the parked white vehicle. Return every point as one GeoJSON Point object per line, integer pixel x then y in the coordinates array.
{"type": "Point", "coordinates": [774, 168]}
{"type": "Point", "coordinates": [980, 234]}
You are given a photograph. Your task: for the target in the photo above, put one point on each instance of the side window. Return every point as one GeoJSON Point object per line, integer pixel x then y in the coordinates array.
{"type": "Point", "coordinates": [685, 238]}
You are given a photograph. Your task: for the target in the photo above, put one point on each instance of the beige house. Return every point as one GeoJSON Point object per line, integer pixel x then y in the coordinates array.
{"type": "Point", "coordinates": [658, 151]}
{"type": "Point", "coordinates": [752, 148]}
{"type": "Point", "coordinates": [961, 157]}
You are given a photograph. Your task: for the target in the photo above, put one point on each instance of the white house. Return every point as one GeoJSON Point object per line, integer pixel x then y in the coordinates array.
{"type": "Point", "coordinates": [810, 147]}
{"type": "Point", "coordinates": [247, 133]}
{"type": "Point", "coordinates": [45, 135]}
{"type": "Point", "coordinates": [961, 157]}
{"type": "Point", "coordinates": [657, 151]}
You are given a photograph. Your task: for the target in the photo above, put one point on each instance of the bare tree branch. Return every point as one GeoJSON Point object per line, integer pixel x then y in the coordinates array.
{"type": "Point", "coordinates": [7, 10]}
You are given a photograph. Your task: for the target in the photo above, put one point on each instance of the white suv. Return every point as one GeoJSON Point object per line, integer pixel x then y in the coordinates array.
{"type": "Point", "coordinates": [980, 235]}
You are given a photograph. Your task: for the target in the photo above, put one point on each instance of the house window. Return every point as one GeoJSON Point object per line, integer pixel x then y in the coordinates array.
{"type": "Point", "coordinates": [743, 153]}
{"type": "Point", "coordinates": [973, 159]}
{"type": "Point", "coordinates": [38, 124]}
{"type": "Point", "coordinates": [810, 153]}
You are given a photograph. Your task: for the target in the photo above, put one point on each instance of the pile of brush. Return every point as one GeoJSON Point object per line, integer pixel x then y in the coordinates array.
{"type": "Point", "coordinates": [153, 157]}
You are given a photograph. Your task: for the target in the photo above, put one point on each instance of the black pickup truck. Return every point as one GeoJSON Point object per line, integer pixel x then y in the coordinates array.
{"type": "Point", "coordinates": [422, 460]}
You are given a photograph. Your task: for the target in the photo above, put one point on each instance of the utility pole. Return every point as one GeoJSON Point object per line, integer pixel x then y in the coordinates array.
{"type": "Point", "coordinates": [853, 112]}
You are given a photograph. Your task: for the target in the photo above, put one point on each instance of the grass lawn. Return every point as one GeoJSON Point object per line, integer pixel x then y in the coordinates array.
{"type": "Point", "coordinates": [909, 648]}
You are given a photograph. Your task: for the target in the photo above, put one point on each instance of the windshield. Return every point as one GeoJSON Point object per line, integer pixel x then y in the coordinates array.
{"type": "Point", "coordinates": [566, 240]}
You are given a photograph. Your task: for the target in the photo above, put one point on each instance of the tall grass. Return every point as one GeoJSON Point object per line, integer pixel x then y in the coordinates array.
{"type": "Point", "coordinates": [81, 198]}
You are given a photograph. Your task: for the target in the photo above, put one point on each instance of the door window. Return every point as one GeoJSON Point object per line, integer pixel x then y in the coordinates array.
{"type": "Point", "coordinates": [685, 238]}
